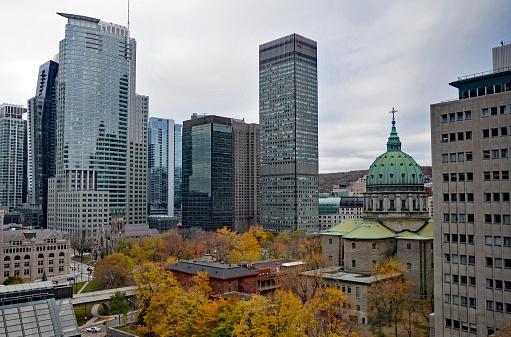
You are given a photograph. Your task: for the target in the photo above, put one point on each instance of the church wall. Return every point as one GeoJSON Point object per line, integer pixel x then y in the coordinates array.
{"type": "Point", "coordinates": [416, 257]}
{"type": "Point", "coordinates": [365, 254]}
{"type": "Point", "coordinates": [331, 246]}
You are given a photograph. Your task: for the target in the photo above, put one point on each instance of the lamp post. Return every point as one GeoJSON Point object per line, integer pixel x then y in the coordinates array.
{"type": "Point", "coordinates": [90, 272]}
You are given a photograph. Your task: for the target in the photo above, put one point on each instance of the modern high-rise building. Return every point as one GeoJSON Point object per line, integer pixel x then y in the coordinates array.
{"type": "Point", "coordinates": [13, 146]}
{"type": "Point", "coordinates": [471, 167]}
{"type": "Point", "coordinates": [178, 168]}
{"type": "Point", "coordinates": [220, 173]}
{"type": "Point", "coordinates": [161, 166]}
{"type": "Point", "coordinates": [41, 128]}
{"type": "Point", "coordinates": [288, 117]}
{"type": "Point", "coordinates": [136, 211]}
{"type": "Point", "coordinates": [101, 140]}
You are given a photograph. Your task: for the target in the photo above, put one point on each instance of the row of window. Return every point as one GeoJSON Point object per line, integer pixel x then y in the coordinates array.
{"type": "Point", "coordinates": [455, 324]}
{"type": "Point", "coordinates": [468, 156]}
{"type": "Point", "coordinates": [468, 176]}
{"type": "Point", "coordinates": [497, 284]}
{"type": "Point", "coordinates": [493, 111]}
{"type": "Point", "coordinates": [26, 272]}
{"type": "Point", "coordinates": [498, 306]}
{"type": "Point", "coordinates": [494, 132]}
{"type": "Point", "coordinates": [461, 238]}
{"type": "Point", "coordinates": [461, 197]}
{"type": "Point", "coordinates": [458, 116]}
{"type": "Point", "coordinates": [497, 262]}
{"type": "Point", "coordinates": [451, 137]}
{"type": "Point", "coordinates": [461, 279]}
{"type": "Point", "coordinates": [488, 218]}
{"type": "Point", "coordinates": [455, 258]}
{"type": "Point", "coordinates": [463, 300]}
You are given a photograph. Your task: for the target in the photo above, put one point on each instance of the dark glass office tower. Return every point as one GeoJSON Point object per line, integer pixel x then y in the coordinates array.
{"type": "Point", "coordinates": [41, 130]}
{"type": "Point", "coordinates": [208, 190]}
{"type": "Point", "coordinates": [288, 117]}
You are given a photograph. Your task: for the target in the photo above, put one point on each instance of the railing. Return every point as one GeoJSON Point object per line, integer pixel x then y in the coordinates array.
{"type": "Point", "coordinates": [488, 72]}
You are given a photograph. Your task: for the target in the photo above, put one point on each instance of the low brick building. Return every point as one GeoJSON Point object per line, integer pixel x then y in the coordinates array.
{"type": "Point", "coordinates": [223, 277]}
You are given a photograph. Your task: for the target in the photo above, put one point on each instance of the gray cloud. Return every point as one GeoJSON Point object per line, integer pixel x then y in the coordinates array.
{"type": "Point", "coordinates": [202, 56]}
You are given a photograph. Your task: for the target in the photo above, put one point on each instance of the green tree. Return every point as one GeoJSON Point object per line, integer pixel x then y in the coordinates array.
{"type": "Point", "coordinates": [119, 305]}
{"type": "Point", "coordinates": [13, 280]}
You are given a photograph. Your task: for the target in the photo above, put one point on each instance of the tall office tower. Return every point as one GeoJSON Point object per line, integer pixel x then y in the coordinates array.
{"type": "Point", "coordinates": [178, 168]}
{"type": "Point", "coordinates": [136, 212]}
{"type": "Point", "coordinates": [161, 167]}
{"type": "Point", "coordinates": [98, 127]}
{"type": "Point", "coordinates": [472, 257]}
{"type": "Point", "coordinates": [13, 172]}
{"type": "Point", "coordinates": [220, 173]}
{"type": "Point", "coordinates": [41, 127]}
{"type": "Point", "coordinates": [288, 116]}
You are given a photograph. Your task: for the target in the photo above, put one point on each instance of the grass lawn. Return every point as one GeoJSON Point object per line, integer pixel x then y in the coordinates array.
{"type": "Point", "coordinates": [92, 286]}
{"type": "Point", "coordinates": [77, 286]}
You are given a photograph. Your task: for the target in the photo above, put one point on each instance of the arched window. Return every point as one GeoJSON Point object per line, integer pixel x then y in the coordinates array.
{"type": "Point", "coordinates": [61, 254]}
{"type": "Point", "coordinates": [27, 257]}
{"type": "Point", "coordinates": [7, 258]}
{"type": "Point", "coordinates": [40, 256]}
{"type": "Point", "coordinates": [17, 257]}
{"type": "Point", "coordinates": [51, 255]}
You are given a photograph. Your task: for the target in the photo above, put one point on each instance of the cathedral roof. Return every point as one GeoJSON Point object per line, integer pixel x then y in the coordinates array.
{"type": "Point", "coordinates": [394, 169]}
{"type": "Point", "coordinates": [370, 231]}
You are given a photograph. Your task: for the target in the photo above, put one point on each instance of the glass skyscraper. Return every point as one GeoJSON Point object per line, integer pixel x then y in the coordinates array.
{"type": "Point", "coordinates": [288, 117]}
{"type": "Point", "coordinates": [13, 173]}
{"type": "Point", "coordinates": [178, 168]}
{"type": "Point", "coordinates": [41, 128]}
{"type": "Point", "coordinates": [99, 127]}
{"type": "Point", "coordinates": [220, 173]}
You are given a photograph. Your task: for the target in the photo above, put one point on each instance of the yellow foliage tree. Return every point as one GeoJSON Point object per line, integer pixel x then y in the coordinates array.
{"type": "Point", "coordinates": [329, 314]}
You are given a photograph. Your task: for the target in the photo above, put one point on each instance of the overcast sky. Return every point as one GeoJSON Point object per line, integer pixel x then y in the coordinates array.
{"type": "Point", "coordinates": [202, 56]}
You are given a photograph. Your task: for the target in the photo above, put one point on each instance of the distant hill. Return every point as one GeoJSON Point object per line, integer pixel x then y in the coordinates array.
{"type": "Point", "coordinates": [328, 180]}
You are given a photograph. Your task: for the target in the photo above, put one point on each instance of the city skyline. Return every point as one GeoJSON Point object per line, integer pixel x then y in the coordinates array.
{"type": "Point", "coordinates": [373, 57]}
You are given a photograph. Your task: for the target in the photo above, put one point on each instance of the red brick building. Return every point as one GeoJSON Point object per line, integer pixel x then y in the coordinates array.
{"type": "Point", "coordinates": [223, 278]}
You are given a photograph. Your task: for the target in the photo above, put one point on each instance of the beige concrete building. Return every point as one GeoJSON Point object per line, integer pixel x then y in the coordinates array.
{"type": "Point", "coordinates": [470, 150]}
{"type": "Point", "coordinates": [29, 254]}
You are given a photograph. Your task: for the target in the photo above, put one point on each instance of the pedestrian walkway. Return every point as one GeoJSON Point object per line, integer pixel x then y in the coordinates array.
{"type": "Point", "coordinates": [81, 289]}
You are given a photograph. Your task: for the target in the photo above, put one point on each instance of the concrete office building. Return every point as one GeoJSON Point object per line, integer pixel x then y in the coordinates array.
{"type": "Point", "coordinates": [13, 146]}
{"type": "Point", "coordinates": [220, 173]}
{"type": "Point", "coordinates": [165, 167]}
{"type": "Point", "coordinates": [470, 149]}
{"type": "Point", "coordinates": [288, 117]}
{"type": "Point", "coordinates": [101, 135]}
{"type": "Point", "coordinates": [41, 129]}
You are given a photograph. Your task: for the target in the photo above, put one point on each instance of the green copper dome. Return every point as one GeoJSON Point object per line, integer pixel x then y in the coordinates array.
{"type": "Point", "coordinates": [394, 170]}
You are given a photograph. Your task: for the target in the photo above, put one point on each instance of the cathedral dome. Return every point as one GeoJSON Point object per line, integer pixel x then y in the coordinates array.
{"type": "Point", "coordinates": [394, 170]}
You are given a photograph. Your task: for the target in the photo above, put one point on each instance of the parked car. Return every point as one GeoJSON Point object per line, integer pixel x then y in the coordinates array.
{"type": "Point", "coordinates": [93, 329]}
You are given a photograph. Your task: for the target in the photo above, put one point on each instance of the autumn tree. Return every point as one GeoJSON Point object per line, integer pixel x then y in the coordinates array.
{"type": "Point", "coordinates": [330, 313]}
{"type": "Point", "coordinates": [389, 293]}
{"type": "Point", "coordinates": [114, 271]}
{"type": "Point", "coordinates": [13, 280]}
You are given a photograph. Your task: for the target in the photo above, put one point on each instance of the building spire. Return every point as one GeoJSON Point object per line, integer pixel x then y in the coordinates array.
{"type": "Point", "coordinates": [394, 144]}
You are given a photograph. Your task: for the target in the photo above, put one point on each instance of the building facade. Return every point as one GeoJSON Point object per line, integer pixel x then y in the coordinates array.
{"type": "Point", "coordinates": [29, 254]}
{"type": "Point", "coordinates": [333, 210]}
{"type": "Point", "coordinates": [288, 117]}
{"type": "Point", "coordinates": [471, 166]}
{"type": "Point", "coordinates": [13, 146]}
{"type": "Point", "coordinates": [220, 173]}
{"type": "Point", "coordinates": [41, 129]}
{"type": "Point", "coordinates": [136, 199]}
{"type": "Point", "coordinates": [101, 135]}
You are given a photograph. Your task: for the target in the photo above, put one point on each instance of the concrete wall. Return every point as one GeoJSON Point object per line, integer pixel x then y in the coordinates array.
{"type": "Point", "coordinates": [363, 254]}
